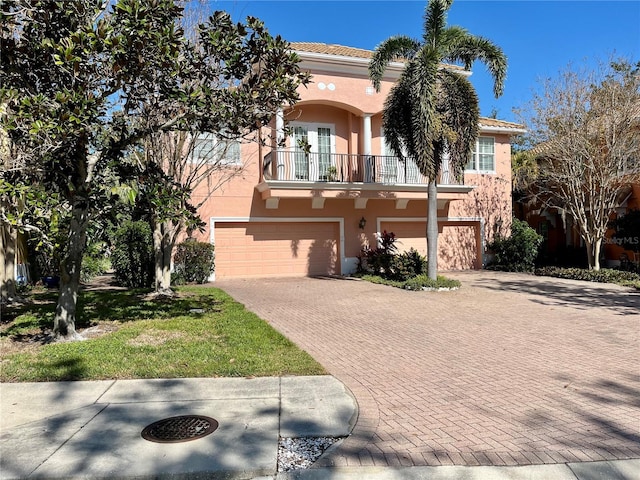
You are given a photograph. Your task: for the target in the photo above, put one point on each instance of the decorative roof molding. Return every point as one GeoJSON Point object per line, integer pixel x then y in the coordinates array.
{"type": "Point", "coordinates": [340, 59]}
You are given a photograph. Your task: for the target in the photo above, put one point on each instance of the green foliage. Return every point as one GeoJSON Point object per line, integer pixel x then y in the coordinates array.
{"type": "Point", "coordinates": [194, 261]}
{"type": "Point", "coordinates": [152, 339]}
{"type": "Point", "coordinates": [95, 261]}
{"type": "Point", "coordinates": [518, 252]}
{"type": "Point", "coordinates": [132, 257]}
{"type": "Point", "coordinates": [604, 275]}
{"type": "Point", "coordinates": [379, 261]}
{"type": "Point", "coordinates": [433, 111]}
{"type": "Point", "coordinates": [386, 262]}
{"type": "Point", "coordinates": [422, 282]}
{"type": "Point", "coordinates": [111, 75]}
{"type": "Point", "coordinates": [419, 282]}
{"type": "Point", "coordinates": [408, 264]}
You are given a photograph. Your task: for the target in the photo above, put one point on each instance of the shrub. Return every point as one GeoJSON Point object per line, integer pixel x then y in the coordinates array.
{"type": "Point", "coordinates": [94, 262]}
{"type": "Point", "coordinates": [418, 282]}
{"type": "Point", "coordinates": [605, 275]}
{"type": "Point", "coordinates": [518, 252]}
{"type": "Point", "coordinates": [133, 257]}
{"type": "Point", "coordinates": [194, 261]}
{"type": "Point", "coordinates": [379, 261]}
{"type": "Point", "coordinates": [422, 281]}
{"type": "Point", "coordinates": [407, 265]}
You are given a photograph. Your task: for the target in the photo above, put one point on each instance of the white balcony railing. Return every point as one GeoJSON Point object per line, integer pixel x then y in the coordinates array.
{"type": "Point", "coordinates": [340, 167]}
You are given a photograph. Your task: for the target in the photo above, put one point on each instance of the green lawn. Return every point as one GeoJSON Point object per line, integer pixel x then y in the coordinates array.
{"type": "Point", "coordinates": [202, 333]}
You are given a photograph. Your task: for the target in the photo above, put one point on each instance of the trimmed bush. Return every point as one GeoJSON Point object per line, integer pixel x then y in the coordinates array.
{"type": "Point", "coordinates": [194, 261]}
{"type": "Point", "coordinates": [605, 275]}
{"type": "Point", "coordinates": [421, 282]}
{"type": "Point", "coordinates": [133, 257]}
{"type": "Point", "coordinates": [518, 252]}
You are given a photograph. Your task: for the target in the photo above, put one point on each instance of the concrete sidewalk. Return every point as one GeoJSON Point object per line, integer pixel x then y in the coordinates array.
{"type": "Point", "coordinates": [92, 430]}
{"type": "Point", "coordinates": [78, 430]}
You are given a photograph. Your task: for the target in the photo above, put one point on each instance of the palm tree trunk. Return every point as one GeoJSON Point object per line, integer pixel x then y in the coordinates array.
{"type": "Point", "coordinates": [432, 230]}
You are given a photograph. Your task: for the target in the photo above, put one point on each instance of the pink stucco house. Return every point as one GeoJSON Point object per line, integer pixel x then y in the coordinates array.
{"type": "Point", "coordinates": [295, 213]}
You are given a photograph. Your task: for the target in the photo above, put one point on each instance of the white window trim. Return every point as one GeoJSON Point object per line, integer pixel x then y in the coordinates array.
{"type": "Point", "coordinates": [222, 161]}
{"type": "Point", "coordinates": [312, 127]}
{"type": "Point", "coordinates": [476, 159]}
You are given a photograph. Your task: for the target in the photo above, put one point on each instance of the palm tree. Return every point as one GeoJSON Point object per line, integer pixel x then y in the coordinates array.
{"type": "Point", "coordinates": [432, 111]}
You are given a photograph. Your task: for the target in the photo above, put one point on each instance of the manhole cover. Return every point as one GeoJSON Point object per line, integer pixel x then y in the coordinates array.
{"type": "Point", "coordinates": [179, 429]}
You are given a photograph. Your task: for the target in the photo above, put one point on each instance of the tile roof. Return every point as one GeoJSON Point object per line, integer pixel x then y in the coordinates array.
{"type": "Point", "coordinates": [331, 49]}
{"type": "Point", "coordinates": [494, 122]}
{"type": "Point", "coordinates": [341, 50]}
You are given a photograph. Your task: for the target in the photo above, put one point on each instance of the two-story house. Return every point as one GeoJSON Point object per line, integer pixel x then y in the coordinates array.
{"type": "Point", "coordinates": [310, 202]}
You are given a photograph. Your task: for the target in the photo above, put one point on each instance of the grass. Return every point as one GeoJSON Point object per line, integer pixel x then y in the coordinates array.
{"type": "Point", "coordinates": [201, 333]}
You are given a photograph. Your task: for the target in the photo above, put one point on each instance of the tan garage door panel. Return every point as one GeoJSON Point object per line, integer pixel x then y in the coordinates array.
{"type": "Point", "coordinates": [456, 243]}
{"type": "Point", "coordinates": [409, 235]}
{"type": "Point", "coordinates": [276, 249]}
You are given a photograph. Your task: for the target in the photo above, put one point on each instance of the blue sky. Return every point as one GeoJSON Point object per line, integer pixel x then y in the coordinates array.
{"type": "Point", "coordinates": [540, 38]}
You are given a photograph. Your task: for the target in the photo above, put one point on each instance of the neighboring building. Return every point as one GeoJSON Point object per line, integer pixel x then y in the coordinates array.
{"type": "Point", "coordinates": [563, 245]}
{"type": "Point", "coordinates": [294, 212]}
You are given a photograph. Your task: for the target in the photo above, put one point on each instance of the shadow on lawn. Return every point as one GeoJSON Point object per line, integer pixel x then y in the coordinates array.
{"type": "Point", "coordinates": [28, 322]}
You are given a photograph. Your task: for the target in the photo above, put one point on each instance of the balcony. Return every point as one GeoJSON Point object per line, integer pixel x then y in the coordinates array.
{"type": "Point", "coordinates": [291, 166]}
{"type": "Point", "coordinates": [318, 176]}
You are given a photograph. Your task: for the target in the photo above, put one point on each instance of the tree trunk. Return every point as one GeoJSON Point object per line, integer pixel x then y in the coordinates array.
{"type": "Point", "coordinates": [64, 323]}
{"type": "Point", "coordinates": [8, 240]}
{"type": "Point", "coordinates": [593, 254]}
{"type": "Point", "coordinates": [163, 249]}
{"type": "Point", "coordinates": [432, 230]}
{"type": "Point", "coordinates": [596, 254]}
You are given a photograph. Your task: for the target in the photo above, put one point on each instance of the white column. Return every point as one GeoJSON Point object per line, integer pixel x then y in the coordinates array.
{"type": "Point", "coordinates": [279, 159]}
{"type": "Point", "coordinates": [279, 125]}
{"type": "Point", "coordinates": [366, 143]}
{"type": "Point", "coordinates": [366, 132]}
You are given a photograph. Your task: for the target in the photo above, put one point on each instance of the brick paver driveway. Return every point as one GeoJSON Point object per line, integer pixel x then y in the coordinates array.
{"type": "Point", "coordinates": [511, 369]}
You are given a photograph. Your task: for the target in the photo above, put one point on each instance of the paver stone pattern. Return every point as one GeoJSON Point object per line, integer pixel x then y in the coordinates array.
{"type": "Point", "coordinates": [511, 369]}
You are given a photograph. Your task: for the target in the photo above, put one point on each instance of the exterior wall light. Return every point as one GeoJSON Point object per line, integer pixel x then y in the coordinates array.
{"type": "Point", "coordinates": [362, 223]}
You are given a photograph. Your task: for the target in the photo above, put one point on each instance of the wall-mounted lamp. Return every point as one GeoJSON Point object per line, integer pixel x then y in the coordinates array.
{"type": "Point", "coordinates": [362, 223]}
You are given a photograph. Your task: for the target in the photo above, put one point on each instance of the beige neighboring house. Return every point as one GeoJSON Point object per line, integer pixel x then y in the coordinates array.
{"type": "Point", "coordinates": [295, 212]}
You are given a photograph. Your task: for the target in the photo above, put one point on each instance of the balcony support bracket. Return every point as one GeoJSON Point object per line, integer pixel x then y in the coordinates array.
{"type": "Point", "coordinates": [317, 203]}
{"type": "Point", "coordinates": [272, 203]}
{"type": "Point", "coordinates": [361, 203]}
{"type": "Point", "coordinates": [401, 203]}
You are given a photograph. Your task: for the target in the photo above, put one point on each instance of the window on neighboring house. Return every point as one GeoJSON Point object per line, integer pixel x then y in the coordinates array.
{"type": "Point", "coordinates": [483, 158]}
{"type": "Point", "coordinates": [222, 151]}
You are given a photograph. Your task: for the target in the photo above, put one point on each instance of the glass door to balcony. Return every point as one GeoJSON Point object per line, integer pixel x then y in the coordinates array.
{"type": "Point", "coordinates": [313, 146]}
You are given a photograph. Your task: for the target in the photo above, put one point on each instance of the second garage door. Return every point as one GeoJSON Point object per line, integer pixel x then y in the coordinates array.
{"type": "Point", "coordinates": [255, 249]}
{"type": "Point", "coordinates": [457, 243]}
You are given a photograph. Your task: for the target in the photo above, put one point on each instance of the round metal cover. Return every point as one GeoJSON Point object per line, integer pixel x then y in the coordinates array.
{"type": "Point", "coordinates": [183, 428]}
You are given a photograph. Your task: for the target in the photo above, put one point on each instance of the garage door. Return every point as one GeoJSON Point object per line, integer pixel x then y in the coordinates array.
{"type": "Point", "coordinates": [409, 235]}
{"type": "Point", "coordinates": [255, 249]}
{"type": "Point", "coordinates": [457, 244]}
